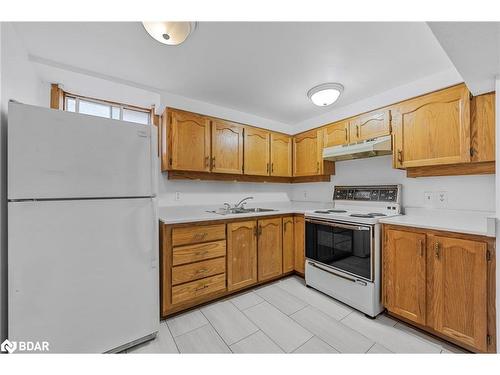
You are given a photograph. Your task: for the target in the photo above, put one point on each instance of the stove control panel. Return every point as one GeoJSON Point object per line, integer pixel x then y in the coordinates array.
{"type": "Point", "coordinates": [382, 193]}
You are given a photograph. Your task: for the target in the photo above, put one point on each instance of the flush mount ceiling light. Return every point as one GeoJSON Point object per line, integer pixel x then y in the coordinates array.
{"type": "Point", "coordinates": [171, 33]}
{"type": "Point", "coordinates": [325, 94]}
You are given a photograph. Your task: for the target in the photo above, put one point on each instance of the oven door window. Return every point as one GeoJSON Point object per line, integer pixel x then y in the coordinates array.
{"type": "Point", "coordinates": [345, 249]}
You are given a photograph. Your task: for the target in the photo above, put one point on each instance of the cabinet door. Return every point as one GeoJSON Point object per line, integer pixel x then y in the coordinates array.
{"type": "Point", "coordinates": [256, 152]}
{"type": "Point", "coordinates": [288, 244]}
{"type": "Point", "coordinates": [458, 289]}
{"type": "Point", "coordinates": [299, 243]}
{"type": "Point", "coordinates": [336, 134]}
{"type": "Point", "coordinates": [370, 125]}
{"type": "Point", "coordinates": [307, 154]}
{"type": "Point", "coordinates": [227, 147]}
{"type": "Point", "coordinates": [404, 274]}
{"type": "Point", "coordinates": [189, 141]}
{"type": "Point", "coordinates": [483, 127]}
{"type": "Point", "coordinates": [241, 254]}
{"type": "Point", "coordinates": [433, 129]}
{"type": "Point", "coordinates": [281, 155]}
{"type": "Point", "coordinates": [270, 250]}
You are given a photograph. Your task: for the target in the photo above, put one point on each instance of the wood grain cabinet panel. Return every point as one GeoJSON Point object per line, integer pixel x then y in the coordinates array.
{"type": "Point", "coordinates": [193, 290]}
{"type": "Point", "coordinates": [197, 252]}
{"type": "Point", "coordinates": [281, 155]}
{"type": "Point", "coordinates": [404, 274]}
{"type": "Point", "coordinates": [256, 152]}
{"type": "Point", "coordinates": [370, 125]}
{"type": "Point", "coordinates": [241, 254]}
{"type": "Point", "coordinates": [307, 154]}
{"type": "Point", "coordinates": [196, 234]}
{"type": "Point", "coordinates": [336, 134]}
{"type": "Point", "coordinates": [483, 128]}
{"type": "Point", "coordinates": [198, 270]}
{"type": "Point", "coordinates": [458, 293]}
{"type": "Point", "coordinates": [227, 147]}
{"type": "Point", "coordinates": [189, 141]}
{"type": "Point", "coordinates": [433, 129]}
{"type": "Point", "coordinates": [299, 244]}
{"type": "Point", "coordinates": [288, 244]}
{"type": "Point", "coordinates": [270, 249]}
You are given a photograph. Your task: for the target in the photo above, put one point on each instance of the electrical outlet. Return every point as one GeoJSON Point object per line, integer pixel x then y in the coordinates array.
{"type": "Point", "coordinates": [441, 199]}
{"type": "Point", "coordinates": [177, 196]}
{"type": "Point", "coordinates": [428, 199]}
{"type": "Point", "coordinates": [304, 194]}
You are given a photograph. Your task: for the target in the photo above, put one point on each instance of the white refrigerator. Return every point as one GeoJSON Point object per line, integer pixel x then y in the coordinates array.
{"type": "Point", "coordinates": [82, 231]}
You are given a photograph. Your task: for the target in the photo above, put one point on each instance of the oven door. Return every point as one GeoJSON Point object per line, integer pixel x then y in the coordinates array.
{"type": "Point", "coordinates": [342, 246]}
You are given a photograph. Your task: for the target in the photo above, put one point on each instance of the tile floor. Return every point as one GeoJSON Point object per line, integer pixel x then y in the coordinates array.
{"type": "Point", "coordinates": [286, 317]}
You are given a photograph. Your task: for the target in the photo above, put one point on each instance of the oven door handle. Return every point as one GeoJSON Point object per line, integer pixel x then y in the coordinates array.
{"type": "Point", "coordinates": [358, 281]}
{"type": "Point", "coordinates": [338, 225]}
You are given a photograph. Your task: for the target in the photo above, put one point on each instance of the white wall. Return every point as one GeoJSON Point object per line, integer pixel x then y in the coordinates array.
{"type": "Point", "coordinates": [19, 82]}
{"type": "Point", "coordinates": [464, 192]}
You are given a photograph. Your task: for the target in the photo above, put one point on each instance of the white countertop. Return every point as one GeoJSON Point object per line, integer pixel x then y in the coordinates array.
{"type": "Point", "coordinates": [470, 222]}
{"type": "Point", "coordinates": [189, 214]}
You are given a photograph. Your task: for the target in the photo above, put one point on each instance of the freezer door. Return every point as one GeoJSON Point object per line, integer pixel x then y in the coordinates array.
{"type": "Point", "coordinates": [57, 154]}
{"type": "Point", "coordinates": [83, 275]}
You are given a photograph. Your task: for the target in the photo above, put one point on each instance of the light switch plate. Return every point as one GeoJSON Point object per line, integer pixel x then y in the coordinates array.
{"type": "Point", "coordinates": [177, 196]}
{"type": "Point", "coordinates": [428, 199]}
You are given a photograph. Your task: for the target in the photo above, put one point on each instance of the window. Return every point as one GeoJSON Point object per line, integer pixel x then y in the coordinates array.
{"type": "Point", "coordinates": [102, 108]}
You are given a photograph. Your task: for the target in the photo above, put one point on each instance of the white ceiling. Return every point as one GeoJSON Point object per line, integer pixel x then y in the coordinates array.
{"type": "Point", "coordinates": [264, 69]}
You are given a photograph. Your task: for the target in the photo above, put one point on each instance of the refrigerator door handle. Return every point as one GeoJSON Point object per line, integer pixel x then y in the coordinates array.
{"type": "Point", "coordinates": [155, 235]}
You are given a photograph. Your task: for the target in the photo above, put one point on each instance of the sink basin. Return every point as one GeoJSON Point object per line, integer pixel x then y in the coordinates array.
{"type": "Point", "coordinates": [224, 211]}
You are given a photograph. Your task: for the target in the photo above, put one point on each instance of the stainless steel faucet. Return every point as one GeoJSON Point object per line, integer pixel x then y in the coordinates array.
{"type": "Point", "coordinates": [242, 202]}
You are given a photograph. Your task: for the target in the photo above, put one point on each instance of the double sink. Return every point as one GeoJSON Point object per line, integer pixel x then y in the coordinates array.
{"type": "Point", "coordinates": [240, 210]}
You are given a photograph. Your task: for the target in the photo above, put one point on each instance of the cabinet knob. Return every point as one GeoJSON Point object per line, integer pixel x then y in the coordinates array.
{"type": "Point", "coordinates": [400, 156]}
{"type": "Point", "coordinates": [436, 250]}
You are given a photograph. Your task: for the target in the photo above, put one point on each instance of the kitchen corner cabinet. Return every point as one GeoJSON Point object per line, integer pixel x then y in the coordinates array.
{"type": "Point", "coordinates": [227, 147]}
{"type": "Point", "coordinates": [370, 125]}
{"type": "Point", "coordinates": [256, 152]}
{"type": "Point", "coordinates": [241, 254]}
{"type": "Point", "coordinates": [336, 134]}
{"type": "Point", "coordinates": [483, 128]}
{"type": "Point", "coordinates": [442, 282]}
{"type": "Point", "coordinates": [433, 129]}
{"type": "Point", "coordinates": [288, 244]}
{"type": "Point", "coordinates": [308, 153]}
{"type": "Point", "coordinates": [281, 155]}
{"type": "Point", "coordinates": [188, 141]}
{"type": "Point", "coordinates": [270, 248]}
{"type": "Point", "coordinates": [299, 244]}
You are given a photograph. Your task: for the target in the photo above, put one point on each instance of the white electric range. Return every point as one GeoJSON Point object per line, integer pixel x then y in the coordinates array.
{"type": "Point", "coordinates": [343, 245]}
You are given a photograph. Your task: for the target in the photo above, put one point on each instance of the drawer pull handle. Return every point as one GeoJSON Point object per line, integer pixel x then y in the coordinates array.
{"type": "Point", "coordinates": [202, 287]}
{"type": "Point", "coordinates": [203, 270]}
{"type": "Point", "coordinates": [436, 249]}
{"type": "Point", "coordinates": [201, 253]}
{"type": "Point", "coordinates": [200, 236]}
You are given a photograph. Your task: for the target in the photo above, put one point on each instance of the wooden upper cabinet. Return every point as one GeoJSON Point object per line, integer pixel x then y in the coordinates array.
{"type": "Point", "coordinates": [336, 134]}
{"type": "Point", "coordinates": [433, 129]}
{"type": "Point", "coordinates": [227, 147]}
{"type": "Point", "coordinates": [370, 125]}
{"type": "Point", "coordinates": [299, 244]}
{"type": "Point", "coordinates": [241, 254]}
{"type": "Point", "coordinates": [404, 274]}
{"type": "Point", "coordinates": [458, 289]}
{"type": "Point", "coordinates": [256, 152]}
{"type": "Point", "coordinates": [281, 155]}
{"type": "Point", "coordinates": [288, 244]}
{"type": "Point", "coordinates": [270, 250]}
{"type": "Point", "coordinates": [483, 128]}
{"type": "Point", "coordinates": [188, 141]}
{"type": "Point", "coordinates": [307, 153]}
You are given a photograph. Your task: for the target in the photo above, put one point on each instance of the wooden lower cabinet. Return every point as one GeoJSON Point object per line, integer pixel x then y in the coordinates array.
{"type": "Point", "coordinates": [201, 262]}
{"type": "Point", "coordinates": [270, 249]}
{"type": "Point", "coordinates": [299, 244]}
{"type": "Point", "coordinates": [443, 282]}
{"type": "Point", "coordinates": [288, 244]}
{"type": "Point", "coordinates": [241, 254]}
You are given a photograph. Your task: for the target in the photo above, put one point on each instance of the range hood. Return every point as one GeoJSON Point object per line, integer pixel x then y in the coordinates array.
{"type": "Point", "coordinates": [375, 147]}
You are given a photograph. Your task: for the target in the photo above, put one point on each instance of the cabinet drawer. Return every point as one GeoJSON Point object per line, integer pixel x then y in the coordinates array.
{"type": "Point", "coordinates": [195, 253]}
{"type": "Point", "coordinates": [198, 270]}
{"type": "Point", "coordinates": [205, 233]}
{"type": "Point", "coordinates": [189, 291]}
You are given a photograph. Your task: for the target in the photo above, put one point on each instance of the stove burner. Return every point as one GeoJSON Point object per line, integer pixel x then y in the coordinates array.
{"type": "Point", "coordinates": [368, 216]}
{"type": "Point", "coordinates": [337, 211]}
{"type": "Point", "coordinates": [377, 214]}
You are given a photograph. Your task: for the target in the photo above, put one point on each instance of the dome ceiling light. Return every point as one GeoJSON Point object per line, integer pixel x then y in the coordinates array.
{"type": "Point", "coordinates": [325, 94]}
{"type": "Point", "coordinates": [171, 33]}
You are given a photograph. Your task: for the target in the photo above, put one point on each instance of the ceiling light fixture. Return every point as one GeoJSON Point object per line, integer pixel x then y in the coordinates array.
{"type": "Point", "coordinates": [325, 94]}
{"type": "Point", "coordinates": [171, 33]}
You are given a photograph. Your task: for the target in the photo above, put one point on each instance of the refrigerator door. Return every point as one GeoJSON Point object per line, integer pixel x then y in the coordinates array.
{"type": "Point", "coordinates": [83, 275]}
{"type": "Point", "coordinates": [57, 154]}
